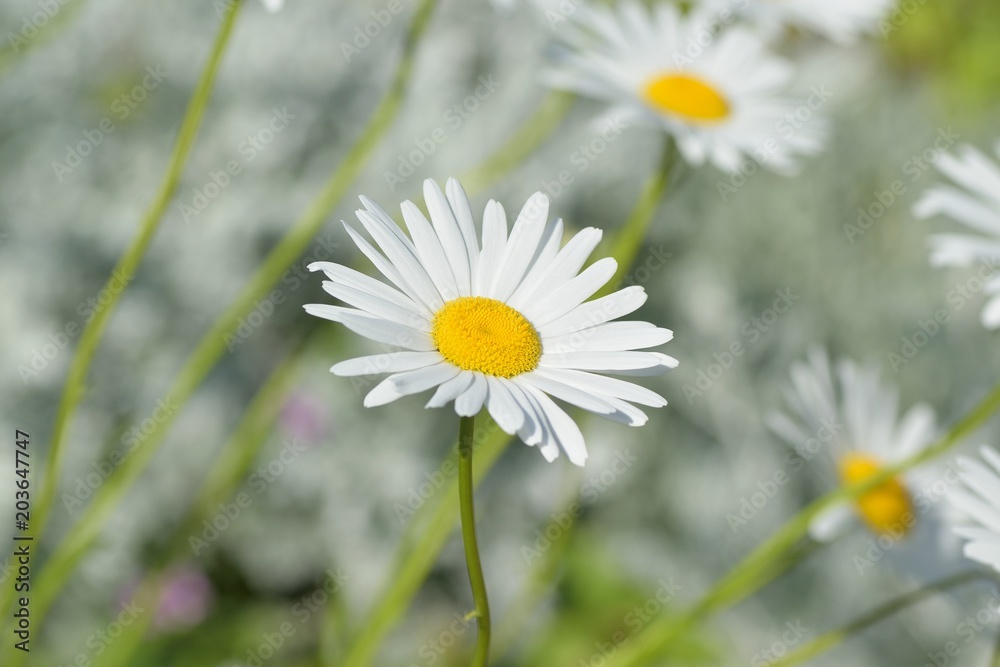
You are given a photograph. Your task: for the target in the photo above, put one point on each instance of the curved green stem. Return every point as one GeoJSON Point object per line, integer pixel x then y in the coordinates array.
{"type": "Point", "coordinates": [213, 344]}
{"type": "Point", "coordinates": [529, 136]}
{"type": "Point", "coordinates": [625, 245]}
{"type": "Point", "coordinates": [757, 569]}
{"type": "Point", "coordinates": [466, 432]}
{"type": "Point", "coordinates": [18, 44]}
{"type": "Point", "coordinates": [125, 269]}
{"type": "Point", "coordinates": [427, 533]}
{"type": "Point", "coordinates": [827, 641]}
{"type": "Point", "coordinates": [120, 277]}
{"type": "Point", "coordinates": [229, 470]}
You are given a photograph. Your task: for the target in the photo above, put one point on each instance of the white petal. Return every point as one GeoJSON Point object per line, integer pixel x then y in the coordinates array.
{"type": "Point", "coordinates": [421, 379]}
{"type": "Point", "coordinates": [915, 431]}
{"type": "Point", "coordinates": [987, 553]}
{"type": "Point", "coordinates": [389, 270]}
{"type": "Point", "coordinates": [598, 311]}
{"type": "Point", "coordinates": [494, 241]}
{"type": "Point", "coordinates": [544, 381]}
{"type": "Point", "coordinates": [547, 444]}
{"type": "Point", "coordinates": [450, 390]}
{"type": "Point", "coordinates": [375, 328]}
{"type": "Point", "coordinates": [378, 306]}
{"type": "Point", "coordinates": [953, 203]}
{"type": "Point", "coordinates": [502, 406]}
{"type": "Point", "coordinates": [462, 210]}
{"type": "Point", "coordinates": [786, 429]}
{"type": "Point", "coordinates": [347, 276]}
{"type": "Point", "coordinates": [602, 384]}
{"type": "Point", "coordinates": [410, 382]}
{"type": "Point", "coordinates": [532, 430]}
{"type": "Point", "coordinates": [831, 523]}
{"type": "Point", "coordinates": [625, 413]}
{"type": "Point", "coordinates": [388, 362]}
{"type": "Point", "coordinates": [610, 337]}
{"type": "Point", "coordinates": [983, 481]}
{"type": "Point", "coordinates": [570, 294]}
{"type": "Point", "coordinates": [665, 364]}
{"type": "Point", "coordinates": [521, 246]}
{"type": "Point", "coordinates": [564, 429]}
{"type": "Point", "coordinates": [614, 362]}
{"type": "Point", "coordinates": [972, 170]}
{"type": "Point", "coordinates": [429, 251]}
{"type": "Point", "coordinates": [548, 250]}
{"type": "Point", "coordinates": [400, 251]}
{"type": "Point", "coordinates": [991, 456]}
{"type": "Point", "coordinates": [565, 266]}
{"type": "Point", "coordinates": [471, 402]}
{"type": "Point", "coordinates": [452, 237]}
{"type": "Point", "coordinates": [975, 509]}
{"type": "Point", "coordinates": [990, 317]}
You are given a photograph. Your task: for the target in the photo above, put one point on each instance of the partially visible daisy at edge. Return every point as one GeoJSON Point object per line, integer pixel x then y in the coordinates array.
{"type": "Point", "coordinates": [722, 102]}
{"type": "Point", "coordinates": [845, 423]}
{"type": "Point", "coordinates": [843, 21]}
{"type": "Point", "coordinates": [979, 502]}
{"type": "Point", "coordinates": [974, 201]}
{"type": "Point", "coordinates": [504, 325]}
{"type": "Point", "coordinates": [273, 5]}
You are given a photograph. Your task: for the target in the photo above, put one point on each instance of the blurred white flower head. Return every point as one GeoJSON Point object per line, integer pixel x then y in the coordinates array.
{"type": "Point", "coordinates": [843, 21]}
{"type": "Point", "coordinates": [979, 502]}
{"type": "Point", "coordinates": [273, 5]}
{"type": "Point", "coordinates": [975, 203]}
{"type": "Point", "coordinates": [715, 89]}
{"type": "Point", "coordinates": [504, 325]}
{"type": "Point", "coordinates": [845, 423]}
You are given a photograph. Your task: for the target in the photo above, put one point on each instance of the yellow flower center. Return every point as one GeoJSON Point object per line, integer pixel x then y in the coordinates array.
{"type": "Point", "coordinates": [887, 508]}
{"type": "Point", "coordinates": [480, 334]}
{"type": "Point", "coordinates": [687, 96]}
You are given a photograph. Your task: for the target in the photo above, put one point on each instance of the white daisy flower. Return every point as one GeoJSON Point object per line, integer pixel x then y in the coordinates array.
{"type": "Point", "coordinates": [503, 325]}
{"type": "Point", "coordinates": [273, 5]}
{"type": "Point", "coordinates": [980, 502]}
{"type": "Point", "coordinates": [846, 424]}
{"type": "Point", "coordinates": [843, 21]}
{"type": "Point", "coordinates": [717, 95]}
{"type": "Point", "coordinates": [976, 204]}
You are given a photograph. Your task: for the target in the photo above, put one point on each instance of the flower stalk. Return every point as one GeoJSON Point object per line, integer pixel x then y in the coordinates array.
{"type": "Point", "coordinates": [466, 435]}
{"type": "Point", "coordinates": [831, 639]}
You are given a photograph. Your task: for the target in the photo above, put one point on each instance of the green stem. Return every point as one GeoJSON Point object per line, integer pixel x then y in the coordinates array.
{"type": "Point", "coordinates": [15, 49]}
{"type": "Point", "coordinates": [222, 481]}
{"type": "Point", "coordinates": [123, 272]}
{"type": "Point", "coordinates": [996, 653]}
{"type": "Point", "coordinates": [626, 244]}
{"type": "Point", "coordinates": [427, 534]}
{"type": "Point", "coordinates": [757, 569]}
{"type": "Point", "coordinates": [529, 136]}
{"type": "Point", "coordinates": [467, 430]}
{"type": "Point", "coordinates": [213, 344]}
{"type": "Point", "coordinates": [827, 641]}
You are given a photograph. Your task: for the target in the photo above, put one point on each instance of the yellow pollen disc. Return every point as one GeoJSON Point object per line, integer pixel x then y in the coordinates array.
{"type": "Point", "coordinates": [480, 334]}
{"type": "Point", "coordinates": [687, 96]}
{"type": "Point", "coordinates": [886, 509]}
